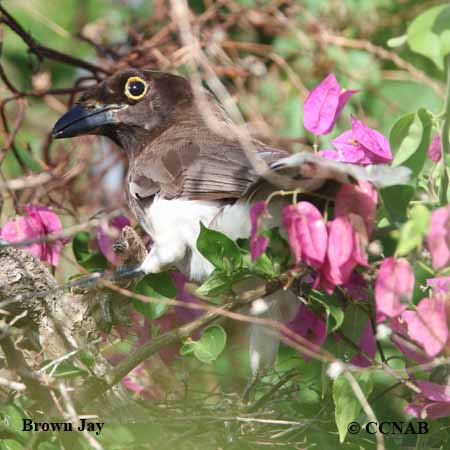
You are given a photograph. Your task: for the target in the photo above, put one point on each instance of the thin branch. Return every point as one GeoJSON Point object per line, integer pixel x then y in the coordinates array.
{"type": "Point", "coordinates": [359, 394]}
{"type": "Point", "coordinates": [45, 52]}
{"type": "Point", "coordinates": [381, 53]}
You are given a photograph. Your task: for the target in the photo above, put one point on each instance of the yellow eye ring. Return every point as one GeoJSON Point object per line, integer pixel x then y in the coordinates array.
{"type": "Point", "coordinates": [135, 88]}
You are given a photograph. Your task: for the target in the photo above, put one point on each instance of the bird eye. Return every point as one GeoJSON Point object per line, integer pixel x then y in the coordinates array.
{"type": "Point", "coordinates": [135, 88]}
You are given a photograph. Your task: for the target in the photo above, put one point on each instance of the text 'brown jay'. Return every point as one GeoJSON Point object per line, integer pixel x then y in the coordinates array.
{"type": "Point", "coordinates": [182, 173]}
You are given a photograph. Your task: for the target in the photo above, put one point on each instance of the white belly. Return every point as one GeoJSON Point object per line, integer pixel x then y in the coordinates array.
{"type": "Point", "coordinates": [174, 226]}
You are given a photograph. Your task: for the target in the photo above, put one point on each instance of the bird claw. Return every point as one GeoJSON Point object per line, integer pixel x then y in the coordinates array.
{"type": "Point", "coordinates": [119, 247]}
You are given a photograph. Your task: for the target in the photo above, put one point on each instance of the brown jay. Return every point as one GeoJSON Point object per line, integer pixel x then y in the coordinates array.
{"type": "Point", "coordinates": [182, 173]}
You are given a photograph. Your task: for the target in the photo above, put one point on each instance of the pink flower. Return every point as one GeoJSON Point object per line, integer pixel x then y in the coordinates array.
{"type": "Point", "coordinates": [340, 262]}
{"type": "Point", "coordinates": [368, 345]}
{"type": "Point", "coordinates": [433, 401]}
{"type": "Point", "coordinates": [438, 239]}
{"type": "Point", "coordinates": [308, 325]}
{"type": "Point", "coordinates": [185, 315]}
{"type": "Point", "coordinates": [307, 233]}
{"type": "Point", "coordinates": [435, 148]}
{"type": "Point", "coordinates": [140, 382]}
{"type": "Point", "coordinates": [403, 341]}
{"type": "Point", "coordinates": [348, 149]}
{"type": "Point", "coordinates": [141, 327]}
{"type": "Point", "coordinates": [144, 329]}
{"type": "Point", "coordinates": [258, 243]}
{"type": "Point", "coordinates": [324, 104]}
{"type": "Point", "coordinates": [361, 145]}
{"type": "Point", "coordinates": [428, 325]}
{"type": "Point", "coordinates": [136, 380]}
{"type": "Point", "coordinates": [37, 222]}
{"type": "Point", "coordinates": [440, 285]}
{"type": "Point", "coordinates": [344, 252]}
{"type": "Point", "coordinates": [360, 199]}
{"type": "Point", "coordinates": [361, 239]}
{"type": "Point", "coordinates": [108, 234]}
{"type": "Point", "coordinates": [329, 154]}
{"type": "Point", "coordinates": [394, 286]}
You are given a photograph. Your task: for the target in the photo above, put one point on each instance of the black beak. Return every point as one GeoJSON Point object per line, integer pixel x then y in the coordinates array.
{"type": "Point", "coordinates": [84, 120]}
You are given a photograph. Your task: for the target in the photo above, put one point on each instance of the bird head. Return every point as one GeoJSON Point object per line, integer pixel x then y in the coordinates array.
{"type": "Point", "coordinates": [130, 104]}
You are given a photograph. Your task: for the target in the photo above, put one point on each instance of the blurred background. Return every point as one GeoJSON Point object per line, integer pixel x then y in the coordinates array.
{"type": "Point", "coordinates": [268, 54]}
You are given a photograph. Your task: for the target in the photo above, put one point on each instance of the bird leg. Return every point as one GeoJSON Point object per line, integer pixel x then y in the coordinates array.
{"type": "Point", "coordinates": [250, 389]}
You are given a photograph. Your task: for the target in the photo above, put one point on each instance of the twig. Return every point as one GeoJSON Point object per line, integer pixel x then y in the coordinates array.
{"type": "Point", "coordinates": [13, 385]}
{"type": "Point", "coordinates": [12, 134]}
{"type": "Point", "coordinates": [74, 418]}
{"type": "Point", "coordinates": [365, 406]}
{"type": "Point", "coordinates": [381, 53]}
{"type": "Point", "coordinates": [266, 397]}
{"type": "Point", "coordinates": [45, 52]}
{"type": "Point", "coordinates": [16, 361]}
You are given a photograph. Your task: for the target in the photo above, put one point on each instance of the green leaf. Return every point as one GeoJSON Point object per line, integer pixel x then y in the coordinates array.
{"type": "Point", "coordinates": [90, 260]}
{"type": "Point", "coordinates": [66, 369]}
{"type": "Point", "coordinates": [423, 39]}
{"type": "Point", "coordinates": [217, 283]}
{"type": "Point", "coordinates": [263, 266]}
{"type": "Point", "coordinates": [218, 249]}
{"type": "Point", "coordinates": [48, 446]}
{"type": "Point", "coordinates": [333, 307]}
{"type": "Point", "coordinates": [399, 131]}
{"type": "Point", "coordinates": [442, 21]}
{"type": "Point", "coordinates": [119, 436]}
{"type": "Point", "coordinates": [28, 159]}
{"type": "Point", "coordinates": [159, 285]}
{"type": "Point", "coordinates": [347, 406]}
{"type": "Point", "coordinates": [354, 322]}
{"type": "Point", "coordinates": [278, 250]}
{"type": "Point", "coordinates": [209, 346]}
{"type": "Point", "coordinates": [397, 41]}
{"type": "Point", "coordinates": [409, 239]}
{"type": "Point", "coordinates": [11, 418]}
{"type": "Point", "coordinates": [413, 231]}
{"type": "Point", "coordinates": [410, 138]}
{"type": "Point", "coordinates": [420, 215]}
{"type": "Point", "coordinates": [396, 200]}
{"type": "Point", "coordinates": [441, 27]}
{"type": "Point", "coordinates": [87, 358]}
{"type": "Point", "coordinates": [81, 246]}
{"type": "Point", "coordinates": [445, 42]}
{"type": "Point", "coordinates": [162, 284]}
{"type": "Point", "coordinates": [9, 444]}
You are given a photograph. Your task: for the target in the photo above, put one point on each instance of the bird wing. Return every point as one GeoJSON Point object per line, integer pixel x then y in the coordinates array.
{"type": "Point", "coordinates": [217, 169]}
{"type": "Point", "coordinates": [197, 170]}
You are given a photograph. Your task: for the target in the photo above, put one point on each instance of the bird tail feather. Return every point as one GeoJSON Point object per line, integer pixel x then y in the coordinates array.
{"type": "Point", "coordinates": [281, 306]}
{"type": "Point", "coordinates": [307, 166]}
